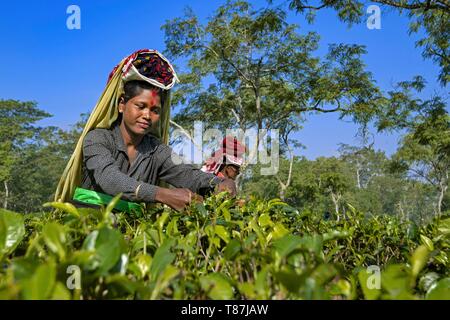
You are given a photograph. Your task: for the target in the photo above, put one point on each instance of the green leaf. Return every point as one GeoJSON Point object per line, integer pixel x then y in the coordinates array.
{"type": "Point", "coordinates": [55, 239]}
{"type": "Point", "coordinates": [122, 283]}
{"type": "Point", "coordinates": [40, 285]}
{"type": "Point", "coordinates": [427, 242]}
{"type": "Point", "coordinates": [111, 205]}
{"type": "Point", "coordinates": [89, 241]}
{"type": "Point", "coordinates": [291, 280]}
{"type": "Point", "coordinates": [279, 231]}
{"type": "Point", "coordinates": [107, 245]}
{"type": "Point", "coordinates": [444, 227]}
{"type": "Point", "coordinates": [164, 279]}
{"type": "Point", "coordinates": [222, 233]}
{"type": "Point", "coordinates": [264, 220]}
{"type": "Point", "coordinates": [370, 284]}
{"type": "Point", "coordinates": [162, 258]}
{"type": "Point", "coordinates": [440, 291]}
{"type": "Point", "coordinates": [60, 292]}
{"type": "Point", "coordinates": [419, 259]}
{"type": "Point", "coordinates": [143, 262]}
{"type": "Point", "coordinates": [247, 290]}
{"type": "Point", "coordinates": [313, 243]}
{"type": "Point", "coordinates": [342, 287]}
{"type": "Point", "coordinates": [64, 206]}
{"type": "Point", "coordinates": [172, 228]}
{"type": "Point", "coordinates": [324, 273]}
{"type": "Point", "coordinates": [232, 249]}
{"type": "Point", "coordinates": [335, 234]}
{"type": "Point", "coordinates": [201, 209]}
{"type": "Point", "coordinates": [396, 280]}
{"type": "Point", "coordinates": [287, 245]}
{"type": "Point", "coordinates": [161, 221]}
{"type": "Point", "coordinates": [24, 268]}
{"type": "Point", "coordinates": [275, 202]}
{"type": "Point", "coordinates": [254, 225]}
{"type": "Point", "coordinates": [12, 231]}
{"type": "Point", "coordinates": [224, 208]}
{"type": "Point", "coordinates": [261, 283]}
{"type": "Point", "coordinates": [217, 286]}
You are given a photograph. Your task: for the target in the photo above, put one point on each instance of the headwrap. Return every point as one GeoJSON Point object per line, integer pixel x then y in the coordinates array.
{"type": "Point", "coordinates": [230, 153]}
{"type": "Point", "coordinates": [146, 65]}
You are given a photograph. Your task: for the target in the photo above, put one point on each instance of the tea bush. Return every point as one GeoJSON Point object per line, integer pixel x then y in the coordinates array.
{"type": "Point", "coordinates": [220, 250]}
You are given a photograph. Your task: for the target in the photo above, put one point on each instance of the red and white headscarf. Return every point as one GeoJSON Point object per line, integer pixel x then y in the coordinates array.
{"type": "Point", "coordinates": [230, 153]}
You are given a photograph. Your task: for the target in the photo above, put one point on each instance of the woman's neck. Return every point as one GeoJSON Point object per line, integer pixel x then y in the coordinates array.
{"type": "Point", "coordinates": [129, 138]}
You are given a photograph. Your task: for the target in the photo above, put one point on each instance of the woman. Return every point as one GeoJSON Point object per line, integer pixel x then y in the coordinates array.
{"type": "Point", "coordinates": [122, 148]}
{"type": "Point", "coordinates": [227, 161]}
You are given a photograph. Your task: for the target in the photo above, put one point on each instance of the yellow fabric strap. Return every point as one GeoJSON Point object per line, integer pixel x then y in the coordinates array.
{"type": "Point", "coordinates": [103, 116]}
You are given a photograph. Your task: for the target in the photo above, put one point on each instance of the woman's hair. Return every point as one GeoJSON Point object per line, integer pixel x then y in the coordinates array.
{"type": "Point", "coordinates": [135, 87]}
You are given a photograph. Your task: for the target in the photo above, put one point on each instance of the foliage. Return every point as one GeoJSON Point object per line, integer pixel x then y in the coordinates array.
{"type": "Point", "coordinates": [263, 72]}
{"type": "Point", "coordinates": [364, 178]}
{"type": "Point", "coordinates": [431, 17]}
{"type": "Point", "coordinates": [217, 250]}
{"type": "Point", "coordinates": [17, 120]}
{"type": "Point", "coordinates": [32, 158]}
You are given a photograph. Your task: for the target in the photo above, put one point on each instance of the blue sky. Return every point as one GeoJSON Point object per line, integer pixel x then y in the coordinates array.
{"type": "Point", "coordinates": [65, 71]}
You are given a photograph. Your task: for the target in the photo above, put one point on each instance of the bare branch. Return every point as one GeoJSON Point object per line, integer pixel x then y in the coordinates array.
{"type": "Point", "coordinates": [186, 133]}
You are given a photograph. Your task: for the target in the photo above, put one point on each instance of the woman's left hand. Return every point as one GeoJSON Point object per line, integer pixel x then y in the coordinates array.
{"type": "Point", "coordinates": [227, 185]}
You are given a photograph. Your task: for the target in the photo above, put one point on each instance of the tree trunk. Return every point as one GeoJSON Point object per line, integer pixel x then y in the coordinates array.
{"type": "Point", "coordinates": [253, 154]}
{"type": "Point", "coordinates": [358, 178]}
{"type": "Point", "coordinates": [401, 211]}
{"type": "Point", "coordinates": [442, 190]}
{"type": "Point", "coordinates": [5, 203]}
{"type": "Point", "coordinates": [335, 199]}
{"type": "Point", "coordinates": [258, 111]}
{"type": "Point", "coordinates": [284, 186]}
{"type": "Point", "coordinates": [282, 193]}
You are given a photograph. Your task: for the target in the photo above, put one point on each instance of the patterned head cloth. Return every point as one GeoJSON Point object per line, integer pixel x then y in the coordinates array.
{"type": "Point", "coordinates": [230, 153]}
{"type": "Point", "coordinates": [150, 66]}
{"type": "Point", "coordinates": [145, 65]}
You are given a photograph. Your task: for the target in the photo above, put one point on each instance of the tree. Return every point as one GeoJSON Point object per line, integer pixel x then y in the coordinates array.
{"type": "Point", "coordinates": [40, 164]}
{"type": "Point", "coordinates": [365, 162]}
{"type": "Point", "coordinates": [431, 16]}
{"type": "Point", "coordinates": [425, 149]}
{"type": "Point", "coordinates": [262, 74]}
{"type": "Point", "coordinates": [17, 128]}
{"type": "Point", "coordinates": [333, 179]}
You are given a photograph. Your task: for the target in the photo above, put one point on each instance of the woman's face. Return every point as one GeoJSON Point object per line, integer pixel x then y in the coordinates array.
{"type": "Point", "coordinates": [231, 171]}
{"type": "Point", "coordinates": [142, 112]}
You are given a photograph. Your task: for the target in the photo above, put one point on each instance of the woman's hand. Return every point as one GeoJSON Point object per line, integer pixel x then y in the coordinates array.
{"type": "Point", "coordinates": [177, 198]}
{"type": "Point", "coordinates": [227, 185]}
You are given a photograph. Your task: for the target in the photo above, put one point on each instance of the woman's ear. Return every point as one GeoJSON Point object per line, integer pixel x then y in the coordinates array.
{"type": "Point", "coordinates": [121, 104]}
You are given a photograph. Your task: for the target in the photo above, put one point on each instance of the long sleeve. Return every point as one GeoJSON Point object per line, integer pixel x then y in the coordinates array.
{"type": "Point", "coordinates": [99, 161]}
{"type": "Point", "coordinates": [184, 175]}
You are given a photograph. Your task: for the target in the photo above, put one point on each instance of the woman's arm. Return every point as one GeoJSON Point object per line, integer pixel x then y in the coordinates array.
{"type": "Point", "coordinates": [99, 161]}
{"type": "Point", "coordinates": [180, 175]}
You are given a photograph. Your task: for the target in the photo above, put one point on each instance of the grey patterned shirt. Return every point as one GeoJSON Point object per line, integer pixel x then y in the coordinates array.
{"type": "Point", "coordinates": [107, 169]}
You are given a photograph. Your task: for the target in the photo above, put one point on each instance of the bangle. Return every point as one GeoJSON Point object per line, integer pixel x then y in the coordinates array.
{"type": "Point", "coordinates": [136, 192]}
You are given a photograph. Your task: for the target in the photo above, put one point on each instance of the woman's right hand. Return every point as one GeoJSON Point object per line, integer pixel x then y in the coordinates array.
{"type": "Point", "coordinates": [177, 198]}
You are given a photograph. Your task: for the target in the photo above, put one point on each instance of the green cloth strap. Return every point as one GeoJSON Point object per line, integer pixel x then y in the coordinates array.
{"type": "Point", "coordinates": [98, 198]}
